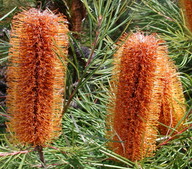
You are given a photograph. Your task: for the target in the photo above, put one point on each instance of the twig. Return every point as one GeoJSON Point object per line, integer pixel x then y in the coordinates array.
{"type": "Point", "coordinates": [88, 62]}
{"type": "Point", "coordinates": [171, 138]}
{"type": "Point", "coordinates": [14, 153]}
{"type": "Point", "coordinates": [71, 98]}
{"type": "Point", "coordinates": [50, 165]}
{"type": "Point", "coordinates": [4, 115]}
{"type": "Point", "coordinates": [95, 42]}
{"type": "Point", "coordinates": [41, 155]}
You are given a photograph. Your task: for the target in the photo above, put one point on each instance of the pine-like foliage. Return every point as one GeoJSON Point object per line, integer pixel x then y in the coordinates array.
{"type": "Point", "coordinates": [82, 143]}
{"type": "Point", "coordinates": [36, 76]}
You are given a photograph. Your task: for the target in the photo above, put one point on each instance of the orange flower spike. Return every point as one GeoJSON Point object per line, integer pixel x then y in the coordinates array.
{"type": "Point", "coordinates": [36, 76]}
{"type": "Point", "coordinates": [173, 103]}
{"type": "Point", "coordinates": [186, 6]}
{"type": "Point", "coordinates": [137, 86]}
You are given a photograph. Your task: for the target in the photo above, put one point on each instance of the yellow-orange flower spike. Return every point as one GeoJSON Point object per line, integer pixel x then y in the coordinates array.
{"type": "Point", "coordinates": [173, 101]}
{"type": "Point", "coordinates": [137, 88]}
{"type": "Point", "coordinates": [186, 6]}
{"type": "Point", "coordinates": [36, 76]}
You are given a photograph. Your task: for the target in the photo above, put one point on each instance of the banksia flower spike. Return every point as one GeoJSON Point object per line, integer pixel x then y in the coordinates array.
{"type": "Point", "coordinates": [36, 76]}
{"type": "Point", "coordinates": [186, 6]}
{"type": "Point", "coordinates": [173, 101]}
{"type": "Point", "coordinates": [137, 87]}
{"type": "Point", "coordinates": [139, 82]}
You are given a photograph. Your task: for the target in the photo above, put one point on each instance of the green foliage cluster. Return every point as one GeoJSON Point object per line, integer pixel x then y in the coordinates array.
{"type": "Point", "coordinates": [82, 143]}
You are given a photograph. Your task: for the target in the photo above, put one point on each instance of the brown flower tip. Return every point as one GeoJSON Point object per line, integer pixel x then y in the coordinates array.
{"type": "Point", "coordinates": [36, 76]}
{"type": "Point", "coordinates": [186, 6]}
{"type": "Point", "coordinates": [136, 92]}
{"type": "Point", "coordinates": [77, 12]}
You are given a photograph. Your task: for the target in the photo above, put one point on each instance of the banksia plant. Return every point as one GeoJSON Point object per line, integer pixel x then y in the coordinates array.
{"type": "Point", "coordinates": [36, 76]}
{"type": "Point", "coordinates": [138, 85]}
{"type": "Point", "coordinates": [186, 6]}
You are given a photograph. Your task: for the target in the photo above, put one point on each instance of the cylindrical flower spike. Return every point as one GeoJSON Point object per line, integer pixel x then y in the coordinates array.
{"type": "Point", "coordinates": [145, 90]}
{"type": "Point", "coordinates": [186, 6]}
{"type": "Point", "coordinates": [173, 101]}
{"type": "Point", "coordinates": [36, 76]}
{"type": "Point", "coordinates": [137, 88]}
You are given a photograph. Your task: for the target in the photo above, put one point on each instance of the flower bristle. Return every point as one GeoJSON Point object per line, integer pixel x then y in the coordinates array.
{"type": "Point", "coordinates": [36, 76]}
{"type": "Point", "coordinates": [186, 6]}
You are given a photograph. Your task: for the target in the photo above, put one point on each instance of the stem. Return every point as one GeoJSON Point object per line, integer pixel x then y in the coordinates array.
{"type": "Point", "coordinates": [3, 154]}
{"type": "Point", "coordinates": [171, 138]}
{"type": "Point", "coordinates": [71, 97]}
{"type": "Point", "coordinates": [87, 64]}
{"type": "Point", "coordinates": [96, 41]}
{"type": "Point", "coordinates": [41, 156]}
